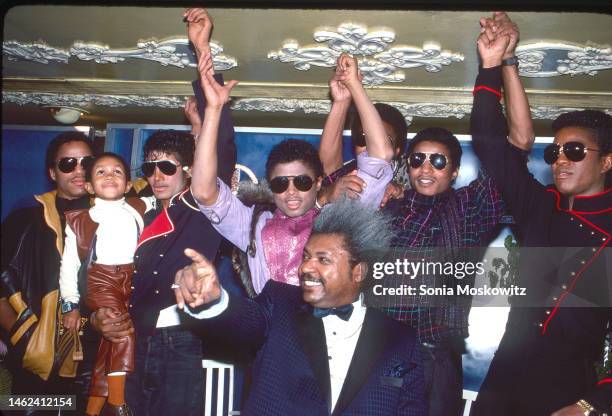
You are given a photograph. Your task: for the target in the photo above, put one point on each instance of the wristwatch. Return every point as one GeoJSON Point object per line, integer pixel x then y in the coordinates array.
{"type": "Point", "coordinates": [511, 61]}
{"type": "Point", "coordinates": [586, 408]}
{"type": "Point", "coordinates": [69, 307]}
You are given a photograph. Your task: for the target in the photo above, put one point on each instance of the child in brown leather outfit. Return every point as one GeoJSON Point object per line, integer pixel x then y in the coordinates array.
{"type": "Point", "coordinates": [105, 237]}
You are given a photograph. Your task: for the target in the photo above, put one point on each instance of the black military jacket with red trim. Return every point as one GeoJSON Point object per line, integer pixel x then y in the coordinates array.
{"type": "Point", "coordinates": [565, 264]}
{"type": "Point", "coordinates": [168, 232]}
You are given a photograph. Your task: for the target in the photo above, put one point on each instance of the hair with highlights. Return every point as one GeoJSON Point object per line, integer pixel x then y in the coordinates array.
{"type": "Point", "coordinates": [366, 231]}
{"type": "Point", "coordinates": [179, 143]}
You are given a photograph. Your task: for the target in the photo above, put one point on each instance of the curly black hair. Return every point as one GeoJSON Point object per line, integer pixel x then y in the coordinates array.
{"type": "Point", "coordinates": [60, 140]}
{"type": "Point", "coordinates": [176, 142]}
{"type": "Point", "coordinates": [438, 135]}
{"type": "Point", "coordinates": [291, 150]}
{"type": "Point", "coordinates": [388, 114]}
{"type": "Point", "coordinates": [597, 122]}
{"type": "Point", "coordinates": [126, 168]}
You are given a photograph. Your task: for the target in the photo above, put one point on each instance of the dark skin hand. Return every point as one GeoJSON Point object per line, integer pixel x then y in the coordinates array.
{"type": "Point", "coordinates": [113, 326]}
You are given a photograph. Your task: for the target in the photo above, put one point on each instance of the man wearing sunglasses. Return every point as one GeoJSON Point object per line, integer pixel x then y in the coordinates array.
{"type": "Point", "coordinates": [32, 246]}
{"type": "Point", "coordinates": [294, 172]}
{"type": "Point", "coordinates": [168, 376]}
{"type": "Point", "coordinates": [432, 219]}
{"type": "Point", "coordinates": [545, 362]}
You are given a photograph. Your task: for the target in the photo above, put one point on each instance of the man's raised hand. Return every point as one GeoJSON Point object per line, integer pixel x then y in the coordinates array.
{"type": "Point", "coordinates": [349, 73]}
{"type": "Point", "coordinates": [506, 27]}
{"type": "Point", "coordinates": [196, 284]}
{"type": "Point", "coordinates": [337, 89]}
{"type": "Point", "coordinates": [199, 28]}
{"type": "Point", "coordinates": [491, 47]}
{"type": "Point", "coordinates": [216, 95]}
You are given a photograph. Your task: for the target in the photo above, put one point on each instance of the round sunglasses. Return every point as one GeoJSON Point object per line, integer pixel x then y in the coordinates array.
{"type": "Point", "coordinates": [69, 164]}
{"type": "Point", "coordinates": [280, 184]}
{"type": "Point", "coordinates": [573, 151]}
{"type": "Point", "coordinates": [437, 160]}
{"type": "Point", "coordinates": [167, 167]}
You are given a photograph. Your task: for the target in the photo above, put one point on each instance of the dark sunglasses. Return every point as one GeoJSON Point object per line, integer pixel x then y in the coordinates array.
{"type": "Point", "coordinates": [280, 184]}
{"type": "Point", "coordinates": [167, 167]}
{"type": "Point", "coordinates": [69, 164]}
{"type": "Point", "coordinates": [437, 160]}
{"type": "Point", "coordinates": [573, 151]}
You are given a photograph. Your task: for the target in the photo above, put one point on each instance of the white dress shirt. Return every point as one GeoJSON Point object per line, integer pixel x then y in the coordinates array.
{"type": "Point", "coordinates": [341, 338]}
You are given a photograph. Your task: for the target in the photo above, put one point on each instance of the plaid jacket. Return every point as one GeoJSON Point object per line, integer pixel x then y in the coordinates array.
{"type": "Point", "coordinates": [443, 224]}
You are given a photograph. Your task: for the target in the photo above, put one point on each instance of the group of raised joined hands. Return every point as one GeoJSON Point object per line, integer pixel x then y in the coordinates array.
{"type": "Point", "coordinates": [498, 39]}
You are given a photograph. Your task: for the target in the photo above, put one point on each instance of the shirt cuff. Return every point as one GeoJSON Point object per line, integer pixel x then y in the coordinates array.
{"type": "Point", "coordinates": [490, 77]}
{"type": "Point", "coordinates": [212, 311]}
{"type": "Point", "coordinates": [217, 211]}
{"type": "Point", "coordinates": [374, 167]}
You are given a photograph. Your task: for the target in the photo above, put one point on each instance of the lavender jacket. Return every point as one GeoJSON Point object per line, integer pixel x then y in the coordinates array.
{"type": "Point", "coordinates": [232, 219]}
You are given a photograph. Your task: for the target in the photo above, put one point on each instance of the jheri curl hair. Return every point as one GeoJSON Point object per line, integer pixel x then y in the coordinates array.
{"type": "Point", "coordinates": [366, 231]}
{"type": "Point", "coordinates": [179, 143]}
{"type": "Point", "coordinates": [291, 150]}
{"type": "Point", "coordinates": [597, 122]}
{"type": "Point", "coordinates": [59, 141]}
{"type": "Point", "coordinates": [126, 168]}
{"type": "Point", "coordinates": [438, 135]}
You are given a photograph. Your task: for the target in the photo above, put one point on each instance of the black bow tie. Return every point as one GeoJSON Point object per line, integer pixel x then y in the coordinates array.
{"type": "Point", "coordinates": [343, 312]}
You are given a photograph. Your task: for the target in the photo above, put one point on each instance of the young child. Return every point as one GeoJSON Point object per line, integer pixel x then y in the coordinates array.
{"type": "Point", "coordinates": [103, 239]}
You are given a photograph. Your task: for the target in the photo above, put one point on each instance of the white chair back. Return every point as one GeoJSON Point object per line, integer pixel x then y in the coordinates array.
{"type": "Point", "coordinates": [216, 373]}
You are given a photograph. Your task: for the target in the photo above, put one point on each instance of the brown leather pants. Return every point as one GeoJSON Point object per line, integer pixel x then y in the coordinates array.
{"type": "Point", "coordinates": [109, 287]}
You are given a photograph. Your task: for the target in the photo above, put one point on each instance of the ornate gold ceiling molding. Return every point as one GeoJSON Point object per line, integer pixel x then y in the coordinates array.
{"type": "Point", "coordinates": [379, 63]}
{"type": "Point", "coordinates": [169, 52]}
{"type": "Point", "coordinates": [422, 109]}
{"type": "Point", "coordinates": [550, 59]}
{"type": "Point", "coordinates": [34, 52]}
{"type": "Point", "coordinates": [398, 94]}
{"type": "Point", "coordinates": [308, 98]}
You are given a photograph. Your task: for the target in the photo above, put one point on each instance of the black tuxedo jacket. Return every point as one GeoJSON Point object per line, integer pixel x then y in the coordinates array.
{"type": "Point", "coordinates": [291, 370]}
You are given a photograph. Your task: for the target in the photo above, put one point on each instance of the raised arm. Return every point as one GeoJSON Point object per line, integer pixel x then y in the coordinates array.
{"type": "Point", "coordinates": [330, 149]}
{"type": "Point", "coordinates": [521, 133]}
{"type": "Point", "coordinates": [193, 116]}
{"type": "Point", "coordinates": [199, 28]}
{"type": "Point", "coordinates": [377, 144]}
{"type": "Point", "coordinates": [204, 179]}
{"type": "Point", "coordinates": [502, 161]}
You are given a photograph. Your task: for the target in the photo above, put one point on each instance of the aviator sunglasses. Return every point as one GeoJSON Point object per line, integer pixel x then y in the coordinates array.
{"type": "Point", "coordinates": [573, 151]}
{"type": "Point", "coordinates": [280, 184]}
{"type": "Point", "coordinates": [69, 164]}
{"type": "Point", "coordinates": [437, 160]}
{"type": "Point", "coordinates": [167, 167]}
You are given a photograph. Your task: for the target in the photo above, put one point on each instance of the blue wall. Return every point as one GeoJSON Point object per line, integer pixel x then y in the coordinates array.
{"type": "Point", "coordinates": [23, 164]}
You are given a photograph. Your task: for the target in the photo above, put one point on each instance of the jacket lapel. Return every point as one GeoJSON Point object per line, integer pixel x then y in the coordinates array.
{"type": "Point", "coordinates": [370, 345]}
{"type": "Point", "coordinates": [312, 339]}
